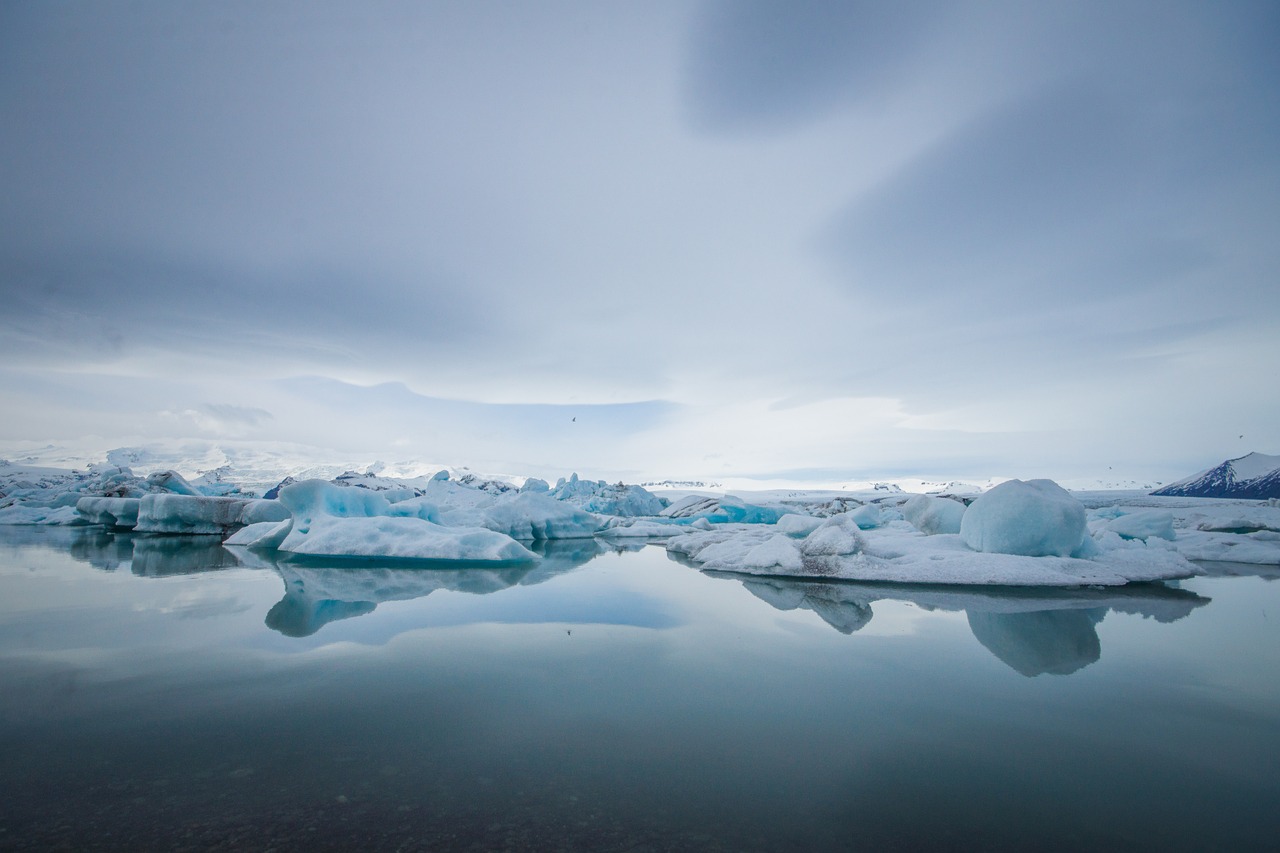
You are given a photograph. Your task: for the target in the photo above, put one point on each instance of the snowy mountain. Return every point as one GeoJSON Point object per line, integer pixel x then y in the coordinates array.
{"type": "Point", "coordinates": [1253, 476]}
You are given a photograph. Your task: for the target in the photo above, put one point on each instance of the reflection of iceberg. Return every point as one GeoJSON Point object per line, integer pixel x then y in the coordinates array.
{"type": "Point", "coordinates": [100, 549]}
{"type": "Point", "coordinates": [846, 615]}
{"type": "Point", "coordinates": [1054, 641]}
{"type": "Point", "coordinates": [1033, 630]}
{"type": "Point", "coordinates": [148, 556]}
{"type": "Point", "coordinates": [162, 556]}
{"type": "Point", "coordinates": [317, 593]}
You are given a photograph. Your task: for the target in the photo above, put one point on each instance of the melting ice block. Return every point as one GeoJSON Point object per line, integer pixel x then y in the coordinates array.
{"type": "Point", "coordinates": [1037, 518]}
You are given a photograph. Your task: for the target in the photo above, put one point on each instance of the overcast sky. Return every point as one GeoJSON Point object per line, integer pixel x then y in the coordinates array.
{"type": "Point", "coordinates": [823, 240]}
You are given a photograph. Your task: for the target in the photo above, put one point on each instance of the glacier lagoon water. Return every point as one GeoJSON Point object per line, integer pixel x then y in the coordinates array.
{"type": "Point", "coordinates": [158, 694]}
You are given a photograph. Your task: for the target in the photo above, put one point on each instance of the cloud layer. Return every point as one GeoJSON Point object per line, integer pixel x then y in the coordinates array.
{"type": "Point", "coordinates": [730, 237]}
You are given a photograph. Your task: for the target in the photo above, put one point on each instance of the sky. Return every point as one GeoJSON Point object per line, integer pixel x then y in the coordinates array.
{"type": "Point", "coordinates": [806, 240]}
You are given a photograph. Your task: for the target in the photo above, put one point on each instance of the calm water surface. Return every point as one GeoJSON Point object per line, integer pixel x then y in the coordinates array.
{"type": "Point", "coordinates": [159, 694]}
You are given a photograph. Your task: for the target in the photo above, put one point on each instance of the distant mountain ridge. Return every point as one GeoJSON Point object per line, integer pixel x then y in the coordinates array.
{"type": "Point", "coordinates": [1254, 475]}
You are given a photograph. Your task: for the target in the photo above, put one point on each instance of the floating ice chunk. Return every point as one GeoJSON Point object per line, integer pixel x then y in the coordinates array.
{"type": "Point", "coordinates": [1143, 525]}
{"type": "Point", "coordinates": [726, 509]}
{"type": "Point", "coordinates": [640, 529]}
{"type": "Point", "coordinates": [597, 496]}
{"type": "Point", "coordinates": [109, 512]}
{"type": "Point", "coordinates": [777, 552]}
{"type": "Point", "coordinates": [798, 526]}
{"type": "Point", "coordinates": [932, 515]}
{"type": "Point", "coordinates": [1037, 518]}
{"type": "Point", "coordinates": [60, 515]}
{"type": "Point", "coordinates": [262, 535]}
{"type": "Point", "coordinates": [527, 516]}
{"type": "Point", "coordinates": [1257, 548]}
{"type": "Point", "coordinates": [257, 510]}
{"type": "Point", "coordinates": [691, 506]}
{"type": "Point", "coordinates": [902, 555]}
{"type": "Point", "coordinates": [423, 508]}
{"type": "Point", "coordinates": [333, 521]}
{"type": "Point", "coordinates": [534, 484]}
{"type": "Point", "coordinates": [170, 481]}
{"type": "Point", "coordinates": [827, 548]}
{"type": "Point", "coordinates": [199, 514]}
{"type": "Point", "coordinates": [868, 516]}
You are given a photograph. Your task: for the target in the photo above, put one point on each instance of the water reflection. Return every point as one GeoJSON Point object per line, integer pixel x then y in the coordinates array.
{"type": "Point", "coordinates": [166, 556]}
{"type": "Point", "coordinates": [1033, 631]}
{"type": "Point", "coordinates": [318, 592]}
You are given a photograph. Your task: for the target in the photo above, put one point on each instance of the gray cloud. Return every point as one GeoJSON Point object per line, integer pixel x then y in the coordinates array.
{"type": "Point", "coordinates": [757, 65]}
